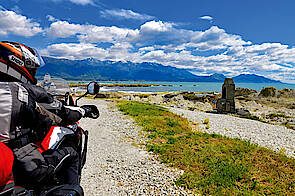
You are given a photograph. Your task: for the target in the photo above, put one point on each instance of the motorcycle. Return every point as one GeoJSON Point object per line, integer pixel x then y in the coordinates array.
{"type": "Point", "coordinates": [64, 136]}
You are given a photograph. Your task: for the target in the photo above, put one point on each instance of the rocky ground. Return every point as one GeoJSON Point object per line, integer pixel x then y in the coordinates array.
{"type": "Point", "coordinates": [270, 105]}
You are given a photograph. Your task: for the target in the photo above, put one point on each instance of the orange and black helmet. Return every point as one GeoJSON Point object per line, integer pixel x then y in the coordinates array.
{"type": "Point", "coordinates": [19, 61]}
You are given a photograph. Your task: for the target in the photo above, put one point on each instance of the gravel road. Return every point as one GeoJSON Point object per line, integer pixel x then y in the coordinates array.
{"type": "Point", "coordinates": [116, 167]}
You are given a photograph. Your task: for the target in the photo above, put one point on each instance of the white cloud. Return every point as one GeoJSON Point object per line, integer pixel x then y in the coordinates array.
{"type": "Point", "coordinates": [79, 2]}
{"type": "Point", "coordinates": [107, 34]}
{"type": "Point", "coordinates": [206, 18]}
{"type": "Point", "coordinates": [12, 23]}
{"type": "Point", "coordinates": [149, 34]}
{"type": "Point", "coordinates": [51, 18]}
{"type": "Point", "coordinates": [82, 2]}
{"type": "Point", "coordinates": [156, 26]}
{"type": "Point", "coordinates": [124, 14]}
{"type": "Point", "coordinates": [90, 33]}
{"type": "Point", "coordinates": [64, 29]}
{"type": "Point", "coordinates": [74, 51]}
{"type": "Point", "coordinates": [150, 48]}
{"type": "Point", "coordinates": [203, 52]}
{"type": "Point", "coordinates": [266, 48]}
{"type": "Point", "coordinates": [156, 54]}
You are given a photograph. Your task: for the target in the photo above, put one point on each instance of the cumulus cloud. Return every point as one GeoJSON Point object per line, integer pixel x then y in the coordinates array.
{"type": "Point", "coordinates": [74, 51]}
{"type": "Point", "coordinates": [12, 23]}
{"type": "Point", "coordinates": [63, 29]}
{"type": "Point", "coordinates": [151, 33]}
{"type": "Point", "coordinates": [90, 33]}
{"type": "Point", "coordinates": [124, 14]}
{"type": "Point", "coordinates": [203, 52]}
{"type": "Point", "coordinates": [156, 26]}
{"type": "Point", "coordinates": [210, 18]}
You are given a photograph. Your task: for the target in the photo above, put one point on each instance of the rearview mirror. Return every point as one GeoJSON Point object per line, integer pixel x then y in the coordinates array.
{"type": "Point", "coordinates": [93, 88]}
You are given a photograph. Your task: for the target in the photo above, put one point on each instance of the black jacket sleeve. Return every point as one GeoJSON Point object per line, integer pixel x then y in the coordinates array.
{"type": "Point", "coordinates": [68, 116]}
{"type": "Point", "coordinates": [39, 94]}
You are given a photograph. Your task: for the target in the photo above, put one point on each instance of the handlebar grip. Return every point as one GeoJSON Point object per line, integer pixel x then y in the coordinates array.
{"type": "Point", "coordinates": [91, 111]}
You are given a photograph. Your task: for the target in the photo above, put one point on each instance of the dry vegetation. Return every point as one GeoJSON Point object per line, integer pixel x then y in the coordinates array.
{"type": "Point", "coordinates": [270, 105]}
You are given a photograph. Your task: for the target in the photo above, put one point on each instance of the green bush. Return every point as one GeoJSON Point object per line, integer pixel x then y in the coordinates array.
{"type": "Point", "coordinates": [192, 97]}
{"type": "Point", "coordinates": [268, 92]}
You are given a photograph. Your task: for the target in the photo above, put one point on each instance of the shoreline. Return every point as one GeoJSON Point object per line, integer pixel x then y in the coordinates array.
{"type": "Point", "coordinates": [153, 86]}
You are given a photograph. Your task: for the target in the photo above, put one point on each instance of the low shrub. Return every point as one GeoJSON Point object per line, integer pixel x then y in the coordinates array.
{"type": "Point", "coordinates": [268, 92]}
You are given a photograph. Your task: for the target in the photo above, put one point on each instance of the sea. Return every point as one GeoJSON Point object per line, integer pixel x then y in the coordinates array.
{"type": "Point", "coordinates": [183, 86]}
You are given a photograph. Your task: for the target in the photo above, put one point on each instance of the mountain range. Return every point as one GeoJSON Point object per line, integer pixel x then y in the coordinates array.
{"type": "Point", "coordinates": [93, 69]}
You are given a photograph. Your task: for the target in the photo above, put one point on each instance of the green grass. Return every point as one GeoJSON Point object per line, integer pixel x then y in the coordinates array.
{"type": "Point", "coordinates": [212, 164]}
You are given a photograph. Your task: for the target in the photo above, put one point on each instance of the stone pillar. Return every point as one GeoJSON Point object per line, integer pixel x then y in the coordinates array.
{"type": "Point", "coordinates": [227, 102]}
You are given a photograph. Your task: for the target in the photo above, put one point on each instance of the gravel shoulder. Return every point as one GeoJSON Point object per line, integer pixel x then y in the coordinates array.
{"type": "Point", "coordinates": [114, 165]}
{"type": "Point", "coordinates": [277, 138]}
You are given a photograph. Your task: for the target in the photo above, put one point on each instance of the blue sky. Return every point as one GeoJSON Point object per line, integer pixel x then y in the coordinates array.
{"type": "Point", "coordinates": [205, 37]}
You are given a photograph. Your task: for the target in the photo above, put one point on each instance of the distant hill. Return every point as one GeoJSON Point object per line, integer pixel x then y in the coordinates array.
{"type": "Point", "coordinates": [252, 78]}
{"type": "Point", "coordinates": [90, 69]}
{"type": "Point", "coordinates": [93, 69]}
{"type": "Point", "coordinates": [219, 77]}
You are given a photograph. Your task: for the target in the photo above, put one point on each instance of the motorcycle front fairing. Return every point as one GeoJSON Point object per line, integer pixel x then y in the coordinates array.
{"type": "Point", "coordinates": [54, 137]}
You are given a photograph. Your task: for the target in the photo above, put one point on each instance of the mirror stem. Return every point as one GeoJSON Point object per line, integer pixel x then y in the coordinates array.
{"type": "Point", "coordinates": [80, 98]}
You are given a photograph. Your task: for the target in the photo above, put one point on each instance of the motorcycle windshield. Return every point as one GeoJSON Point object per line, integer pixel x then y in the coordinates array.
{"type": "Point", "coordinates": [55, 86]}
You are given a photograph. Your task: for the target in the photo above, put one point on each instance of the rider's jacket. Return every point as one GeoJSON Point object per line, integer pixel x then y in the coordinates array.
{"type": "Point", "coordinates": [14, 100]}
{"type": "Point", "coordinates": [27, 112]}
